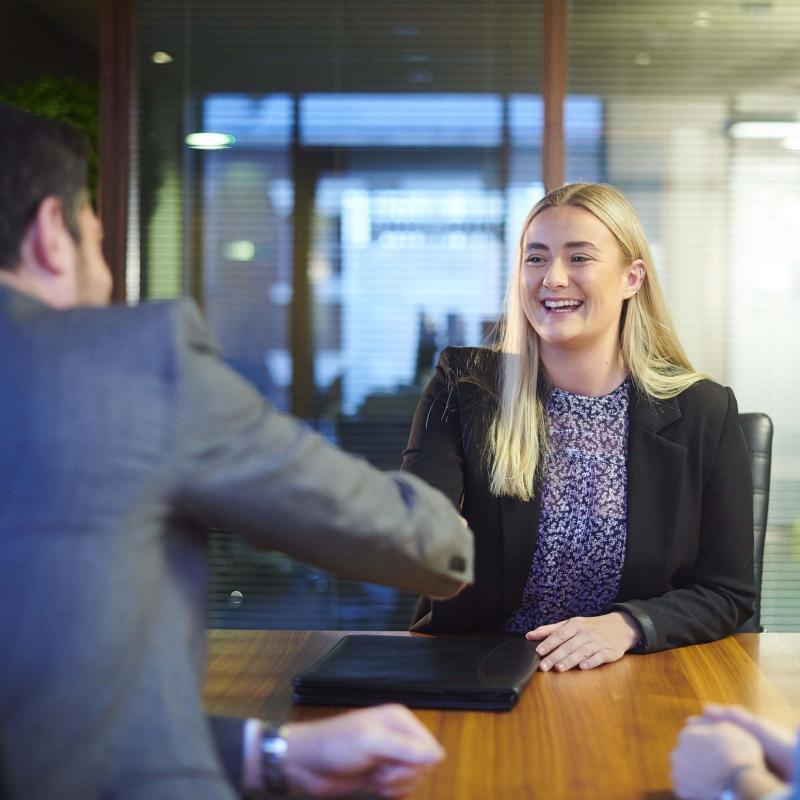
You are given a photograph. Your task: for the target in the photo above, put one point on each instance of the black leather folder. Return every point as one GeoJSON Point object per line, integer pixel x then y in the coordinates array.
{"type": "Point", "coordinates": [459, 672]}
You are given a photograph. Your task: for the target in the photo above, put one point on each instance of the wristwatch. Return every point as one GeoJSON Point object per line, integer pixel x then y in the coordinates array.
{"type": "Point", "coordinates": [273, 756]}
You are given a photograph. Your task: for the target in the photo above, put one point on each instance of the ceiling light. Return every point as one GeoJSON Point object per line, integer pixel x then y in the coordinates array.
{"type": "Point", "coordinates": [209, 141]}
{"type": "Point", "coordinates": [241, 250]}
{"type": "Point", "coordinates": [703, 15]}
{"type": "Point", "coordinates": [702, 22]}
{"type": "Point", "coordinates": [764, 129]}
{"type": "Point", "coordinates": [643, 59]}
{"type": "Point", "coordinates": [160, 57]}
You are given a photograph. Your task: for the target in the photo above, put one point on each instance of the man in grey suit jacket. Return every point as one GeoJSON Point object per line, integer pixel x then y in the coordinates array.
{"type": "Point", "coordinates": [124, 439]}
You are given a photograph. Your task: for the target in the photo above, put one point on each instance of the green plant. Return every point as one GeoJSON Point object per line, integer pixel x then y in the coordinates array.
{"type": "Point", "coordinates": [65, 100]}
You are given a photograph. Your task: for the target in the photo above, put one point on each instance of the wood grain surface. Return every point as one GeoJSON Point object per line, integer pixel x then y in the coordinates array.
{"type": "Point", "coordinates": [603, 734]}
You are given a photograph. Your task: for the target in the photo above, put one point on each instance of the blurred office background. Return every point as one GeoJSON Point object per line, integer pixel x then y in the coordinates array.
{"type": "Point", "coordinates": [341, 183]}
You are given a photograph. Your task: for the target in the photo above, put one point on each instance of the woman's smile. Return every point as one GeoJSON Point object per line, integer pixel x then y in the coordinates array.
{"type": "Point", "coordinates": [561, 306]}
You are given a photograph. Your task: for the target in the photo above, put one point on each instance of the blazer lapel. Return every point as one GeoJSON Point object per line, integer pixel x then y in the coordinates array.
{"type": "Point", "coordinates": [655, 479]}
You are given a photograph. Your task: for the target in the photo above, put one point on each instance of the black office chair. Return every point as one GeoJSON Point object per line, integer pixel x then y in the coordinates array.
{"type": "Point", "coordinates": [757, 430]}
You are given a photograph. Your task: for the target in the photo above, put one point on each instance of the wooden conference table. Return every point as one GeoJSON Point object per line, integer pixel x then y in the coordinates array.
{"type": "Point", "coordinates": [604, 734]}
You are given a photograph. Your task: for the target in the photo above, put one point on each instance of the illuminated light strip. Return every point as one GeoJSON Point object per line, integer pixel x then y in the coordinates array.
{"type": "Point", "coordinates": [209, 141]}
{"type": "Point", "coordinates": [764, 129]}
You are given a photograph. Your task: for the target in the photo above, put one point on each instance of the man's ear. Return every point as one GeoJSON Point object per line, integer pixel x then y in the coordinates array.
{"type": "Point", "coordinates": [50, 241]}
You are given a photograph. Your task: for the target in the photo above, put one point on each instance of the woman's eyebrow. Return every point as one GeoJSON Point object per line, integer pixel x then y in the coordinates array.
{"type": "Point", "coordinates": [542, 246]}
{"type": "Point", "coordinates": [581, 244]}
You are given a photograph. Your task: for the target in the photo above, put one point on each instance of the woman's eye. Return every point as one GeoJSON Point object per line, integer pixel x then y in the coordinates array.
{"type": "Point", "coordinates": [535, 260]}
{"type": "Point", "coordinates": [580, 259]}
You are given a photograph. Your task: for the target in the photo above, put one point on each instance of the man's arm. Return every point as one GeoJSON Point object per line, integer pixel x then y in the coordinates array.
{"type": "Point", "coordinates": [385, 750]}
{"type": "Point", "coordinates": [229, 736]}
{"type": "Point", "coordinates": [246, 467]}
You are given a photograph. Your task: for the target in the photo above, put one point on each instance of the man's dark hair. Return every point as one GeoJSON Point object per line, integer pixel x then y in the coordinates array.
{"type": "Point", "coordinates": [39, 158]}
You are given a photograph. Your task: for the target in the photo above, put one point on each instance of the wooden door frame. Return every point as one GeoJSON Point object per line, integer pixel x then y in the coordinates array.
{"type": "Point", "coordinates": [116, 97]}
{"type": "Point", "coordinates": [554, 89]}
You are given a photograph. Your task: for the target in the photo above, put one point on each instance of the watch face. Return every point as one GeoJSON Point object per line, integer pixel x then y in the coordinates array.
{"type": "Point", "coordinates": [273, 752]}
{"type": "Point", "coordinates": [274, 746]}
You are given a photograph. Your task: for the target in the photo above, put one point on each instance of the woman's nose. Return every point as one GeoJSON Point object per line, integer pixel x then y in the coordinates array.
{"type": "Point", "coordinates": [556, 276]}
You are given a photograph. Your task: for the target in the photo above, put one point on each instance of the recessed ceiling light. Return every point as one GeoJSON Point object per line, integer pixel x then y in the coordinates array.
{"type": "Point", "coordinates": [416, 58]}
{"type": "Point", "coordinates": [205, 140]}
{"type": "Point", "coordinates": [703, 15]}
{"type": "Point", "coordinates": [702, 22]}
{"type": "Point", "coordinates": [643, 59]}
{"type": "Point", "coordinates": [160, 57]}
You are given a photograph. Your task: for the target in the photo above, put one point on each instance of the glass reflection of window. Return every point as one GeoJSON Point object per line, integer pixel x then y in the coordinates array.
{"type": "Point", "coordinates": [404, 260]}
{"type": "Point", "coordinates": [401, 120]}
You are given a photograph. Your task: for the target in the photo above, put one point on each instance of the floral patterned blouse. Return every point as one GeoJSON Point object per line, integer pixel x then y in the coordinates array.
{"type": "Point", "coordinates": [578, 562]}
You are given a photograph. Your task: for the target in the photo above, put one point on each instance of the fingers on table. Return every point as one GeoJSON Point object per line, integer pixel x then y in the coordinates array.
{"type": "Point", "coordinates": [544, 631]}
{"type": "Point", "coordinates": [585, 649]}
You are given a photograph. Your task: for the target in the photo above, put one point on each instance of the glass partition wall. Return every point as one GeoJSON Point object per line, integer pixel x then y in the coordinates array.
{"type": "Point", "coordinates": [701, 129]}
{"type": "Point", "coordinates": [354, 215]}
{"type": "Point", "coordinates": [341, 185]}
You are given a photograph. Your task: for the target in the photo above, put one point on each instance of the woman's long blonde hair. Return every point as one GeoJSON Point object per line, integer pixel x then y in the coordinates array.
{"type": "Point", "coordinates": [649, 345]}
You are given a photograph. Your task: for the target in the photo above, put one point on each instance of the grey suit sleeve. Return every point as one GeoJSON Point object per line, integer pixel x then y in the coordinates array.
{"type": "Point", "coordinates": [246, 467]}
{"type": "Point", "coordinates": [228, 734]}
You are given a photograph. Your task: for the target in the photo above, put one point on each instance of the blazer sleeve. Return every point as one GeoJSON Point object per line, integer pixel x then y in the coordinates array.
{"type": "Point", "coordinates": [435, 449]}
{"type": "Point", "coordinates": [718, 596]}
{"type": "Point", "coordinates": [244, 466]}
{"type": "Point", "coordinates": [435, 453]}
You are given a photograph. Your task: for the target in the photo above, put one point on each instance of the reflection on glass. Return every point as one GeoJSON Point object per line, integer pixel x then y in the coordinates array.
{"type": "Point", "coordinates": [364, 217]}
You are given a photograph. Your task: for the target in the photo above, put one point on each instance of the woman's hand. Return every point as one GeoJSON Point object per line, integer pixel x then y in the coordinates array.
{"type": "Point", "coordinates": [585, 642]}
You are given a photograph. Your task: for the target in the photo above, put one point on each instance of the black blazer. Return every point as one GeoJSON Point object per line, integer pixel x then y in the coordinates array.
{"type": "Point", "coordinates": [688, 569]}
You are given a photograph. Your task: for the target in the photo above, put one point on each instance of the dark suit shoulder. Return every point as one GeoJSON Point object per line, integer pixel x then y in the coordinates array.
{"type": "Point", "coordinates": [707, 396]}
{"type": "Point", "coordinates": [474, 364]}
{"type": "Point", "coordinates": [697, 418]}
{"type": "Point", "coordinates": [707, 406]}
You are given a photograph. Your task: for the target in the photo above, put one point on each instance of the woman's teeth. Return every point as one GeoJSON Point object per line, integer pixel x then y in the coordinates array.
{"type": "Point", "coordinates": [562, 306]}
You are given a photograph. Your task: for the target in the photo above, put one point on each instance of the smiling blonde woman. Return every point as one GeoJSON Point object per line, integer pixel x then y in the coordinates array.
{"type": "Point", "coordinates": [607, 481]}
